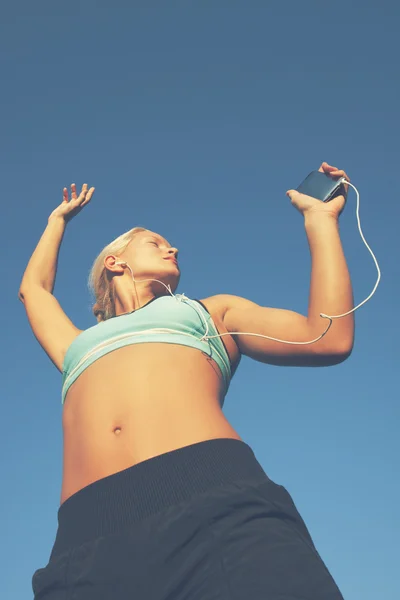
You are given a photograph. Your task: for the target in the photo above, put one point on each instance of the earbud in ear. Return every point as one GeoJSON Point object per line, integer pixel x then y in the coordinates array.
{"type": "Point", "coordinates": [124, 264]}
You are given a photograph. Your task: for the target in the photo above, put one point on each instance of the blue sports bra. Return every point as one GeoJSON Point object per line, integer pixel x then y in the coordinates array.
{"type": "Point", "coordinates": [170, 319]}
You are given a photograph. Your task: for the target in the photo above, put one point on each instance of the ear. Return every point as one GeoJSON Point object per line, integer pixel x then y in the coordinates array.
{"type": "Point", "coordinates": [113, 264]}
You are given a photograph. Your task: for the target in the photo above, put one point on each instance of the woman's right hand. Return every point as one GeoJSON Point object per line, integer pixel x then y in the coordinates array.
{"type": "Point", "coordinates": [70, 208]}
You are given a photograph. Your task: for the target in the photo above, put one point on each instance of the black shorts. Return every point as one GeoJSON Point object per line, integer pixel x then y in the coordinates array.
{"type": "Point", "coordinates": [203, 522]}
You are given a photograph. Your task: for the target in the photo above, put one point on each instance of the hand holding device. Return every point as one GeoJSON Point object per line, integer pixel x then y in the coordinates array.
{"type": "Point", "coordinates": [327, 185]}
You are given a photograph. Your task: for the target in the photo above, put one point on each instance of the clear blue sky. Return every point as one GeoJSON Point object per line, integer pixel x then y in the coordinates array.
{"type": "Point", "coordinates": [193, 119]}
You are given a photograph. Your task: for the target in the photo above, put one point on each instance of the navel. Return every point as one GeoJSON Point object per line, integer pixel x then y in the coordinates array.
{"type": "Point", "coordinates": [117, 430]}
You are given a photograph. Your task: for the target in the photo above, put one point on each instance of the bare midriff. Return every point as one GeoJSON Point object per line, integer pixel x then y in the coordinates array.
{"type": "Point", "coordinates": [136, 403]}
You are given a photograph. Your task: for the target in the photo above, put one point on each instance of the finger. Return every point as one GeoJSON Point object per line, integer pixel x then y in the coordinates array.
{"type": "Point", "coordinates": [339, 173]}
{"type": "Point", "coordinates": [325, 168]}
{"type": "Point", "coordinates": [346, 187]}
{"type": "Point", "coordinates": [83, 193]}
{"type": "Point", "coordinates": [65, 195]}
{"type": "Point", "coordinates": [328, 168]}
{"type": "Point", "coordinates": [336, 173]}
{"type": "Point", "coordinates": [344, 174]}
{"type": "Point", "coordinates": [73, 191]}
{"type": "Point", "coordinates": [88, 196]}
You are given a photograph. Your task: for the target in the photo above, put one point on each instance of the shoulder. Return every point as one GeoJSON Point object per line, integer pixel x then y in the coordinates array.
{"type": "Point", "coordinates": [220, 304]}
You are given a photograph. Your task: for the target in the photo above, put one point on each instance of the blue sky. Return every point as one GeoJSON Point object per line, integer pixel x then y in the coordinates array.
{"type": "Point", "coordinates": [193, 119]}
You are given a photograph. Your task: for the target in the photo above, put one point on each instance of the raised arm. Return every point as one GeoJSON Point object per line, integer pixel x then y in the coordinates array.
{"type": "Point", "coordinates": [50, 325]}
{"type": "Point", "coordinates": [330, 293]}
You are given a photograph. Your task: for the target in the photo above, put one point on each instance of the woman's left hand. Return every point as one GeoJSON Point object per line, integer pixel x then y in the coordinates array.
{"type": "Point", "coordinates": [308, 204]}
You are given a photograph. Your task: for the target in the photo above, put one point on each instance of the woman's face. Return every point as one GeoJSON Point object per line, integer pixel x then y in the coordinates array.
{"type": "Point", "coordinates": [150, 255]}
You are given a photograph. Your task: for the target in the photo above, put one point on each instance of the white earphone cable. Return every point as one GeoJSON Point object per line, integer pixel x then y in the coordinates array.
{"type": "Point", "coordinates": [323, 315]}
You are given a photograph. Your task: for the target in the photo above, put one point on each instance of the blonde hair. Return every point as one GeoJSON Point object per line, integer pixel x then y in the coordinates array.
{"type": "Point", "coordinates": [98, 282]}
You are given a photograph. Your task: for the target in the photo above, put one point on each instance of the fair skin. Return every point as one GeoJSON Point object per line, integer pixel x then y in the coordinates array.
{"type": "Point", "coordinates": [146, 399]}
{"type": "Point", "coordinates": [150, 257]}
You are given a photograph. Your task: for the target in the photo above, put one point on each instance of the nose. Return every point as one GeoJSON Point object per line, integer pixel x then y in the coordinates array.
{"type": "Point", "coordinates": [173, 252]}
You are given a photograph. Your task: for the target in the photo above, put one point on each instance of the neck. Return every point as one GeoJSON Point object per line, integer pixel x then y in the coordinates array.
{"type": "Point", "coordinates": [132, 296]}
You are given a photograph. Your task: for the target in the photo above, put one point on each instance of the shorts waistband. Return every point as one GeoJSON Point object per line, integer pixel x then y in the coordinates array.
{"type": "Point", "coordinates": [115, 502]}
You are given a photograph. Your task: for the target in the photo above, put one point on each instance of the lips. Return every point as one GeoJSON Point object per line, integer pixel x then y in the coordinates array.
{"type": "Point", "coordinates": [173, 260]}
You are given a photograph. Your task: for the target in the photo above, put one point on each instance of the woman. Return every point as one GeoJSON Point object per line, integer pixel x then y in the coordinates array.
{"type": "Point", "coordinates": [161, 498]}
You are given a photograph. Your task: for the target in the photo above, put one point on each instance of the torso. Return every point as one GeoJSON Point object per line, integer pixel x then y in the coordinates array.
{"type": "Point", "coordinates": [141, 401]}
